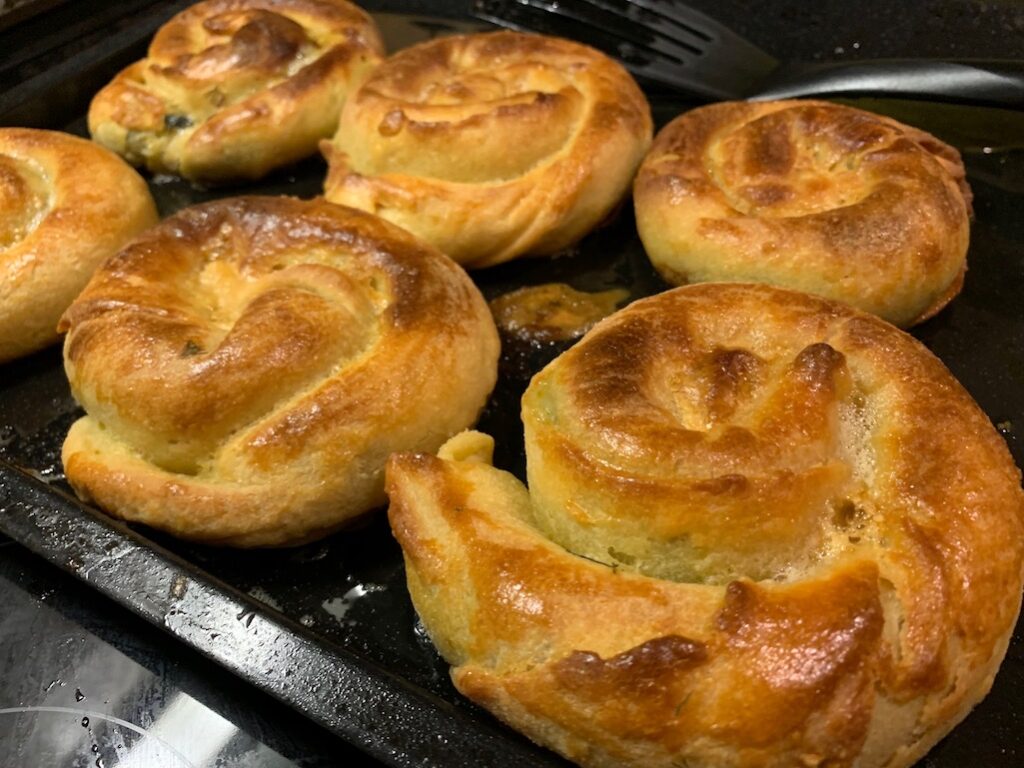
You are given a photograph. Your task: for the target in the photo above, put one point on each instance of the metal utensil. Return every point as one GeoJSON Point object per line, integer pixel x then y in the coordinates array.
{"type": "Point", "coordinates": [667, 42]}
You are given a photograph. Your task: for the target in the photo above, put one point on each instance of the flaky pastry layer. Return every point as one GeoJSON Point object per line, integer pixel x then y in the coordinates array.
{"type": "Point", "coordinates": [231, 89]}
{"type": "Point", "coordinates": [65, 206]}
{"type": "Point", "coordinates": [808, 195]}
{"type": "Point", "coordinates": [491, 146]}
{"type": "Point", "coordinates": [248, 365]}
{"type": "Point", "coordinates": [762, 530]}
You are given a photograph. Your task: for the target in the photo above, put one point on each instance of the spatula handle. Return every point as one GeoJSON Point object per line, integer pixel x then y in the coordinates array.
{"type": "Point", "coordinates": [993, 83]}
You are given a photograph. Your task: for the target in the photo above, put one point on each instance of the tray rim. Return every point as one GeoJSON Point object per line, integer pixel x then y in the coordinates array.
{"type": "Point", "coordinates": [393, 721]}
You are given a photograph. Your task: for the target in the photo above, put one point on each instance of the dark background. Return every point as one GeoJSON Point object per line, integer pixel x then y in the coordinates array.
{"type": "Point", "coordinates": [805, 30]}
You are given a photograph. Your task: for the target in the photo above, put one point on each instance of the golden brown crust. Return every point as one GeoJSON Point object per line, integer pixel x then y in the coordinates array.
{"type": "Point", "coordinates": [65, 206]}
{"type": "Point", "coordinates": [491, 146]}
{"type": "Point", "coordinates": [248, 365]}
{"type": "Point", "coordinates": [763, 529]}
{"type": "Point", "coordinates": [808, 195]}
{"type": "Point", "coordinates": [230, 89]}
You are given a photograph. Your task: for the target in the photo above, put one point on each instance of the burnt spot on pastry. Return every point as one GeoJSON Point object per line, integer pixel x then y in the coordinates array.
{"type": "Point", "coordinates": [634, 672]}
{"type": "Point", "coordinates": [191, 349]}
{"type": "Point", "coordinates": [176, 122]}
{"type": "Point", "coordinates": [732, 377]}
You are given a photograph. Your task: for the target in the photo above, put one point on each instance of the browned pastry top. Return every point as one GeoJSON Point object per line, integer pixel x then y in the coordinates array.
{"type": "Point", "coordinates": [231, 88]}
{"type": "Point", "coordinates": [809, 195]}
{"type": "Point", "coordinates": [491, 145]}
{"type": "Point", "coordinates": [65, 206]}
{"type": "Point", "coordinates": [248, 365]}
{"type": "Point", "coordinates": [762, 529]}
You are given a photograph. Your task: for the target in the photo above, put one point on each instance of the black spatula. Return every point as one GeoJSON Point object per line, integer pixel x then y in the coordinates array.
{"type": "Point", "coordinates": [667, 42]}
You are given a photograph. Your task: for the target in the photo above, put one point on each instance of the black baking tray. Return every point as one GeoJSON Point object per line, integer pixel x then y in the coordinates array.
{"type": "Point", "coordinates": [328, 627]}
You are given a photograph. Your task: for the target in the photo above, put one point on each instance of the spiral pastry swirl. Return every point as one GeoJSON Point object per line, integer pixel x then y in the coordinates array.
{"type": "Point", "coordinates": [812, 196]}
{"type": "Point", "coordinates": [248, 365]}
{"type": "Point", "coordinates": [65, 206]}
{"type": "Point", "coordinates": [231, 89]}
{"type": "Point", "coordinates": [491, 146]}
{"type": "Point", "coordinates": [762, 529]}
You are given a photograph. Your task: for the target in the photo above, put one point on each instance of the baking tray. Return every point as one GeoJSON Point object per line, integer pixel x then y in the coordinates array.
{"type": "Point", "coordinates": [328, 627]}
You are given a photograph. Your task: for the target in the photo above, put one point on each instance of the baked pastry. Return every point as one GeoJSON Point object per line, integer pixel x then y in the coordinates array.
{"type": "Point", "coordinates": [65, 206]}
{"type": "Point", "coordinates": [248, 365]}
{"type": "Point", "coordinates": [808, 195]}
{"type": "Point", "coordinates": [231, 89]}
{"type": "Point", "coordinates": [491, 146]}
{"type": "Point", "coordinates": [762, 529]}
